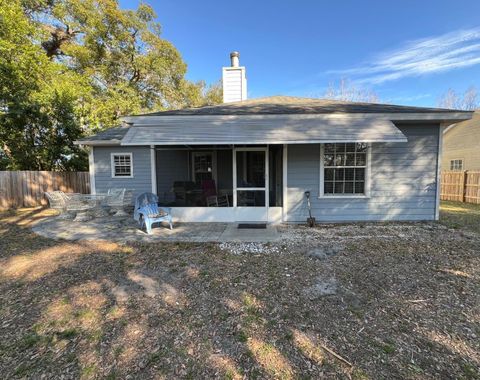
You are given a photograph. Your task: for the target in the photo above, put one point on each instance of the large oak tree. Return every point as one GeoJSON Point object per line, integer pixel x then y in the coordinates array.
{"type": "Point", "coordinates": [73, 67]}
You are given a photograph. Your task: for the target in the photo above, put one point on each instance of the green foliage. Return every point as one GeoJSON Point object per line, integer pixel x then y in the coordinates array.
{"type": "Point", "coordinates": [38, 119]}
{"type": "Point", "coordinates": [73, 67]}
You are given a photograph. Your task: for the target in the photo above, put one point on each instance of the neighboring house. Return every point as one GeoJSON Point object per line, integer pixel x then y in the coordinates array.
{"type": "Point", "coordinates": [359, 161]}
{"type": "Point", "coordinates": [461, 145]}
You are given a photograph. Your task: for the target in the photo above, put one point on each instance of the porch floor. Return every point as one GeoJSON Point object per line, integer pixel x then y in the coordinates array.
{"type": "Point", "coordinates": [126, 229]}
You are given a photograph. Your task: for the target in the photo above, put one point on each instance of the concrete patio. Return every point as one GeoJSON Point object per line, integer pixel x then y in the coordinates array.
{"type": "Point", "coordinates": [125, 229]}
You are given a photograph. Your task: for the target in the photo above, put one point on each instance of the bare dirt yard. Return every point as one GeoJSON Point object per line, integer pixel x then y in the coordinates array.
{"type": "Point", "coordinates": [379, 301]}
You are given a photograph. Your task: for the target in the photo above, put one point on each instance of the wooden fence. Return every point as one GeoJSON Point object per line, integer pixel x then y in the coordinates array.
{"type": "Point", "coordinates": [461, 186]}
{"type": "Point", "coordinates": [27, 188]}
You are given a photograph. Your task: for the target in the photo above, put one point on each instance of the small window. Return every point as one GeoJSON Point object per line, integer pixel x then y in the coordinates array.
{"type": "Point", "coordinates": [122, 165]}
{"type": "Point", "coordinates": [345, 169]}
{"type": "Point", "coordinates": [456, 164]}
{"type": "Point", "coordinates": [202, 166]}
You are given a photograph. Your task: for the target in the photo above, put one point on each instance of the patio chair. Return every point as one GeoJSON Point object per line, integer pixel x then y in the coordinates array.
{"type": "Point", "coordinates": [84, 206]}
{"type": "Point", "coordinates": [58, 201]}
{"type": "Point", "coordinates": [208, 188]}
{"type": "Point", "coordinates": [212, 201]}
{"type": "Point", "coordinates": [218, 201]}
{"type": "Point", "coordinates": [222, 201]}
{"type": "Point", "coordinates": [115, 199]}
{"type": "Point", "coordinates": [141, 200]}
{"type": "Point", "coordinates": [184, 192]}
{"type": "Point", "coordinates": [151, 214]}
{"type": "Point", "coordinates": [127, 199]}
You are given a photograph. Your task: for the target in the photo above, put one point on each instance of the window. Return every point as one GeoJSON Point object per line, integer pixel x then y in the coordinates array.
{"type": "Point", "coordinates": [122, 166]}
{"type": "Point", "coordinates": [344, 169]}
{"type": "Point", "coordinates": [202, 166]}
{"type": "Point", "coordinates": [456, 164]}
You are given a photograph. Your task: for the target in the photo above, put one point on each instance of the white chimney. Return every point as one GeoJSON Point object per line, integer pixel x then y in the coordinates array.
{"type": "Point", "coordinates": [234, 80]}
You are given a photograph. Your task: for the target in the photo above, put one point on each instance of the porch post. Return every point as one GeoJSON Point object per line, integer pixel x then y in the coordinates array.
{"type": "Point", "coordinates": [91, 169]}
{"type": "Point", "coordinates": [441, 129]}
{"type": "Point", "coordinates": [267, 179]}
{"type": "Point", "coordinates": [234, 176]}
{"type": "Point", "coordinates": [285, 184]}
{"type": "Point", "coordinates": [153, 168]}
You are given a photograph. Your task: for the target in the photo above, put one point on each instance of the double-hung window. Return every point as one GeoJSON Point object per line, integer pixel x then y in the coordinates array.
{"type": "Point", "coordinates": [202, 166]}
{"type": "Point", "coordinates": [344, 169]}
{"type": "Point", "coordinates": [122, 165]}
{"type": "Point", "coordinates": [456, 164]}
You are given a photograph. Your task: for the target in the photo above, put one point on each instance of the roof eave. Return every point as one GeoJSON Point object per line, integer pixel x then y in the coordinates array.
{"type": "Point", "coordinates": [98, 142]}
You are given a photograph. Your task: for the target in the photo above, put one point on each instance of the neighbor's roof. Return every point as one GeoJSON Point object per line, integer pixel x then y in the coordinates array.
{"type": "Point", "coordinates": [281, 105]}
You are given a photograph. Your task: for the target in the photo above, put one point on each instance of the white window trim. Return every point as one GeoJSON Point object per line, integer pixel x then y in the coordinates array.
{"type": "Point", "coordinates": [321, 193]}
{"type": "Point", "coordinates": [112, 164]}
{"type": "Point", "coordinates": [456, 159]}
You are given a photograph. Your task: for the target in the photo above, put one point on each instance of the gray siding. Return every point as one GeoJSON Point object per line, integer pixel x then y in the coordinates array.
{"type": "Point", "coordinates": [141, 181]}
{"type": "Point", "coordinates": [403, 181]}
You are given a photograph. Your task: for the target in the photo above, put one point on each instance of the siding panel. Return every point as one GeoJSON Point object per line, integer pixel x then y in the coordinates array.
{"type": "Point", "coordinates": [403, 181]}
{"type": "Point", "coordinates": [141, 181]}
{"type": "Point", "coordinates": [461, 142]}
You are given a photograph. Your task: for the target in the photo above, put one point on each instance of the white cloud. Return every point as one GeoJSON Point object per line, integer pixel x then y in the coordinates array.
{"type": "Point", "coordinates": [407, 99]}
{"type": "Point", "coordinates": [424, 56]}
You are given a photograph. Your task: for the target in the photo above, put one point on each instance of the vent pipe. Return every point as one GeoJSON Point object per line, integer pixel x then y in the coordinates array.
{"type": "Point", "coordinates": [235, 59]}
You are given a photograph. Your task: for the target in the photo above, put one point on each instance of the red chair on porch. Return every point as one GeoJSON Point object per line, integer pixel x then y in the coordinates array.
{"type": "Point", "coordinates": [208, 188]}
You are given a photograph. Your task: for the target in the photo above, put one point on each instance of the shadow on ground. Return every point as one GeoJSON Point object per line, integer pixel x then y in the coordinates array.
{"type": "Point", "coordinates": [405, 305]}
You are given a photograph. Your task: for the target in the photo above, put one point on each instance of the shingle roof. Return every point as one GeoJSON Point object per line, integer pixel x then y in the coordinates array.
{"type": "Point", "coordinates": [111, 134]}
{"type": "Point", "coordinates": [278, 105]}
{"type": "Point", "coordinates": [273, 106]}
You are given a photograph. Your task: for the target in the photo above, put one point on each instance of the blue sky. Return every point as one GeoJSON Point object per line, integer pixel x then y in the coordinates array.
{"type": "Point", "coordinates": [407, 51]}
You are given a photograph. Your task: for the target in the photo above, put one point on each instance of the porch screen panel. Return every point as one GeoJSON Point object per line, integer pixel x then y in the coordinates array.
{"type": "Point", "coordinates": [251, 198]}
{"type": "Point", "coordinates": [251, 169]}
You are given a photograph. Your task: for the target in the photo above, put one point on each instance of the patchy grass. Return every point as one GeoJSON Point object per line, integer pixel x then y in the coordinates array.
{"type": "Point", "coordinates": [460, 215]}
{"type": "Point", "coordinates": [406, 305]}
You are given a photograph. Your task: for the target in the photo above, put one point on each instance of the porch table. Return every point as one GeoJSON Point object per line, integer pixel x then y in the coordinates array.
{"type": "Point", "coordinates": [84, 205]}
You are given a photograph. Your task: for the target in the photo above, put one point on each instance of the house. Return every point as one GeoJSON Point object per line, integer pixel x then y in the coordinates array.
{"type": "Point", "coordinates": [254, 160]}
{"type": "Point", "coordinates": [461, 145]}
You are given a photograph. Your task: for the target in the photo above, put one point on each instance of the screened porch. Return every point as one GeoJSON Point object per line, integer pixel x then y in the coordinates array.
{"type": "Point", "coordinates": [219, 176]}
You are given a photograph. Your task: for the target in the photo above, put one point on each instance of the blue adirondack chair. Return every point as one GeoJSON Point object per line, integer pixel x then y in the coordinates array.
{"type": "Point", "coordinates": [151, 214]}
{"type": "Point", "coordinates": [148, 213]}
{"type": "Point", "coordinates": [143, 200]}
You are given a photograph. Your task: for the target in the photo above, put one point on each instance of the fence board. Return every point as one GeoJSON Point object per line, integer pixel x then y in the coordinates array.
{"type": "Point", "coordinates": [27, 188]}
{"type": "Point", "coordinates": [461, 186]}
